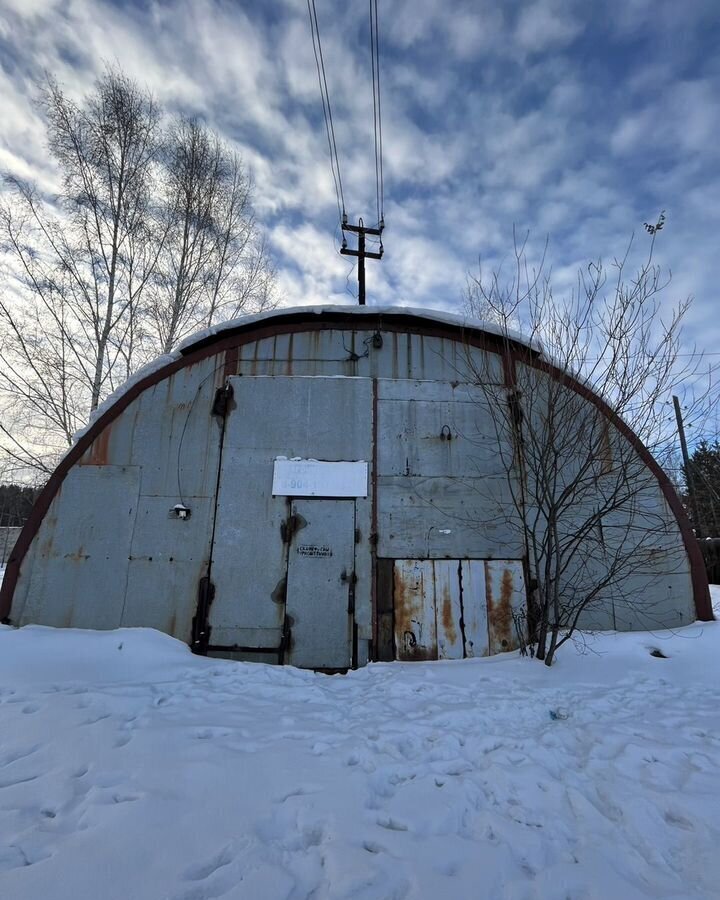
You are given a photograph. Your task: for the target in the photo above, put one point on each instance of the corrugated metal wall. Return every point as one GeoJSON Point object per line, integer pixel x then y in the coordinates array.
{"type": "Point", "coordinates": [110, 553]}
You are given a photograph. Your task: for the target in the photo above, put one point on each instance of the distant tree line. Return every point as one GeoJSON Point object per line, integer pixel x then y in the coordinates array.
{"type": "Point", "coordinates": [704, 475]}
{"type": "Point", "coordinates": [150, 236]}
{"type": "Point", "coordinates": [16, 501]}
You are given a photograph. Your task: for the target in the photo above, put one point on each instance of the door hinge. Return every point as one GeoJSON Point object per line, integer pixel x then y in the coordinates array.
{"type": "Point", "coordinates": [290, 526]}
{"type": "Point", "coordinates": [223, 396]}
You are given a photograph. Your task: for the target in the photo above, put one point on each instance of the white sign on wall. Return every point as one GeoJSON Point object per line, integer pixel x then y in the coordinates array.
{"type": "Point", "coordinates": [316, 478]}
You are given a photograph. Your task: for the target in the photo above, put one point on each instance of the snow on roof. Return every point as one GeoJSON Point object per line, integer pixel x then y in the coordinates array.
{"type": "Point", "coordinates": [432, 315]}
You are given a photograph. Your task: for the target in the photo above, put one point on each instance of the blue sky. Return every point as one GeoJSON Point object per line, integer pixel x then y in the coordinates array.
{"type": "Point", "coordinates": [576, 121]}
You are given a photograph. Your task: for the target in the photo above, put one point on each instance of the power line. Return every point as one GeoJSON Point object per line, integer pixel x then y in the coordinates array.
{"type": "Point", "coordinates": [327, 110]}
{"type": "Point", "coordinates": [377, 112]}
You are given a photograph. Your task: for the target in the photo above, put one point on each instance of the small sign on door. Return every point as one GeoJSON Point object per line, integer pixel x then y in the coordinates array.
{"type": "Point", "coordinates": [314, 550]}
{"type": "Point", "coordinates": [318, 478]}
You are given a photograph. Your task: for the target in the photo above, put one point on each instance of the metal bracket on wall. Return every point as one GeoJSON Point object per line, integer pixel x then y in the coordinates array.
{"type": "Point", "coordinates": [351, 580]}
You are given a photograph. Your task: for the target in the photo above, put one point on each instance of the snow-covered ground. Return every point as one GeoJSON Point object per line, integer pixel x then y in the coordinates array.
{"type": "Point", "coordinates": [130, 769]}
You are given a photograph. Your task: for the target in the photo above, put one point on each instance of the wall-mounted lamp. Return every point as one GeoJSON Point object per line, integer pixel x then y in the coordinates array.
{"type": "Point", "coordinates": [180, 511]}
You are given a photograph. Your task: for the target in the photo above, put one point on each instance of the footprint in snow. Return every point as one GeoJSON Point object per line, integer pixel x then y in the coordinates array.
{"type": "Point", "coordinates": [96, 719]}
{"type": "Point", "coordinates": [678, 821]}
{"type": "Point", "coordinates": [15, 857]}
{"type": "Point", "coordinates": [205, 734]}
{"type": "Point", "coordinates": [391, 824]}
{"type": "Point", "coordinates": [373, 847]}
{"type": "Point", "coordinates": [14, 755]}
{"type": "Point", "coordinates": [30, 708]}
{"type": "Point", "coordinates": [301, 791]}
{"type": "Point", "coordinates": [125, 798]}
{"type": "Point", "coordinates": [11, 781]}
{"type": "Point", "coordinates": [204, 870]}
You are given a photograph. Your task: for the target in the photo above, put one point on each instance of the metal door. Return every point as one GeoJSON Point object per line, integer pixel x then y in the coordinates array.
{"type": "Point", "coordinates": [428, 609]}
{"type": "Point", "coordinates": [321, 584]}
{"type": "Point", "coordinates": [450, 608]}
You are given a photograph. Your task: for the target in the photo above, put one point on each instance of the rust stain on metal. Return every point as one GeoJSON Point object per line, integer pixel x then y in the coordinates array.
{"type": "Point", "coordinates": [78, 556]}
{"type": "Point", "coordinates": [289, 362]}
{"type": "Point", "coordinates": [98, 454]}
{"type": "Point", "coordinates": [500, 613]}
{"type": "Point", "coordinates": [447, 616]}
{"type": "Point", "coordinates": [408, 621]}
{"type": "Point", "coordinates": [231, 362]}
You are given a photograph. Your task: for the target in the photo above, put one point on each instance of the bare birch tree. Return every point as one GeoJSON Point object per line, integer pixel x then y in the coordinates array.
{"type": "Point", "coordinates": [212, 264]}
{"type": "Point", "coordinates": [600, 540]}
{"type": "Point", "coordinates": [151, 236]}
{"type": "Point", "coordinates": [75, 267]}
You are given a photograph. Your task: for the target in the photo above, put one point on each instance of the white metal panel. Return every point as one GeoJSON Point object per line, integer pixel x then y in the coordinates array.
{"type": "Point", "coordinates": [474, 607]}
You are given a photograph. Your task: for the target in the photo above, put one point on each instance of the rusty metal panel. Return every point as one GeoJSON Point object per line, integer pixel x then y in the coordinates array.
{"type": "Point", "coordinates": [448, 602]}
{"type": "Point", "coordinates": [415, 625]}
{"type": "Point", "coordinates": [80, 571]}
{"type": "Point", "coordinates": [506, 598]}
{"type": "Point", "coordinates": [475, 617]}
{"type": "Point", "coordinates": [320, 584]}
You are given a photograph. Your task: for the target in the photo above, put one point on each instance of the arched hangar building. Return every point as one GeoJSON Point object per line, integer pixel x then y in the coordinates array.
{"type": "Point", "coordinates": [315, 486]}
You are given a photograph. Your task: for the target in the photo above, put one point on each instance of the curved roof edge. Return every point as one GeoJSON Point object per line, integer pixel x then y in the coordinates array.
{"type": "Point", "coordinates": [207, 336]}
{"type": "Point", "coordinates": [432, 315]}
{"type": "Point", "coordinates": [199, 346]}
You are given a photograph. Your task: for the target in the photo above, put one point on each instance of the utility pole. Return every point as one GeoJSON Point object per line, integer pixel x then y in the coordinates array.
{"type": "Point", "coordinates": [686, 462]}
{"type": "Point", "coordinates": [360, 230]}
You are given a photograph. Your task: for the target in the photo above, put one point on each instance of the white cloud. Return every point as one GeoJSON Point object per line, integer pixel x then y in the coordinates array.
{"type": "Point", "coordinates": [490, 119]}
{"type": "Point", "coordinates": [546, 25]}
